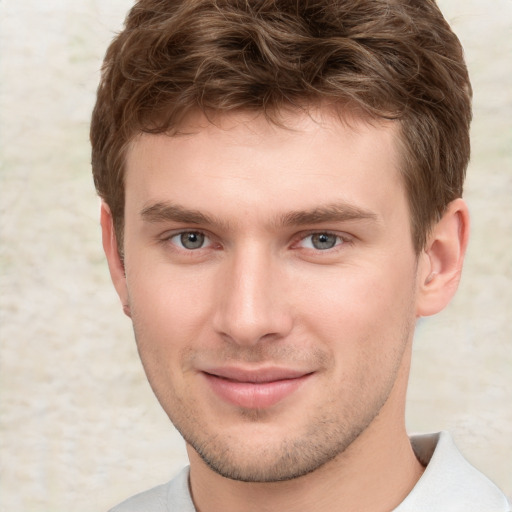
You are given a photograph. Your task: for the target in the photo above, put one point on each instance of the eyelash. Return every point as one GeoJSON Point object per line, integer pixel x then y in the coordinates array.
{"type": "Point", "coordinates": [169, 238]}
{"type": "Point", "coordinates": [341, 240]}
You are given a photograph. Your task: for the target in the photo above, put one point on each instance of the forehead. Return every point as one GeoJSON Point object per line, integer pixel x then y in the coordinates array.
{"type": "Point", "coordinates": [246, 160]}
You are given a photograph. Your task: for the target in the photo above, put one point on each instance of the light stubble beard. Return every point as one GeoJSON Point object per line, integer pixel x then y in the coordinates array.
{"type": "Point", "coordinates": [327, 434]}
{"type": "Point", "coordinates": [321, 442]}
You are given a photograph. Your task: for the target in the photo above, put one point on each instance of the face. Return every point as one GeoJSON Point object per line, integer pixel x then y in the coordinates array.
{"type": "Point", "coordinates": [270, 277]}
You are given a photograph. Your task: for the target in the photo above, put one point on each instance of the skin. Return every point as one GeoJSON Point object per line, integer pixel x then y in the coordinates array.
{"type": "Point", "coordinates": [307, 269]}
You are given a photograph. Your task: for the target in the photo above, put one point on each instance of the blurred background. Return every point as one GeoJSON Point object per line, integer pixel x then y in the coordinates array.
{"type": "Point", "coordinates": [79, 427]}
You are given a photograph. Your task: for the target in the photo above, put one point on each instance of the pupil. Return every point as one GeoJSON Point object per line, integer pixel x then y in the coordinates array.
{"type": "Point", "coordinates": [192, 240]}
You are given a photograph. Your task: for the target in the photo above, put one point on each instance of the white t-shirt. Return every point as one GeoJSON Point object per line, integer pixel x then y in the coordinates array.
{"type": "Point", "coordinates": [448, 484]}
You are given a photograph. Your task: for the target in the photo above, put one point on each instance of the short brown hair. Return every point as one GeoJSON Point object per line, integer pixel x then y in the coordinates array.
{"type": "Point", "coordinates": [392, 59]}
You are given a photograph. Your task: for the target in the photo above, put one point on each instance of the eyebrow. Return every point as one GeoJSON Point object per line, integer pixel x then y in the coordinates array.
{"type": "Point", "coordinates": [336, 212]}
{"type": "Point", "coordinates": [165, 212]}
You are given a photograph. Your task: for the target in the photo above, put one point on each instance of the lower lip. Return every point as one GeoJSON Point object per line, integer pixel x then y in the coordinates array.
{"type": "Point", "coordinates": [251, 395]}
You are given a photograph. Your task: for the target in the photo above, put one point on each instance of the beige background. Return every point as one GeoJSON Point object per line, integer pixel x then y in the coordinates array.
{"type": "Point", "coordinates": [80, 428]}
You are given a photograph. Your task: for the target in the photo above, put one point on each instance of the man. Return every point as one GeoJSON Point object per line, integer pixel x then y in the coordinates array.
{"type": "Point", "coordinates": [281, 186]}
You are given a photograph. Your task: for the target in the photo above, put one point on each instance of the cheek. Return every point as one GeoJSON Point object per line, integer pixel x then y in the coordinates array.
{"type": "Point", "coordinates": [365, 323]}
{"type": "Point", "coordinates": [360, 309]}
{"type": "Point", "coordinates": [168, 314]}
{"type": "Point", "coordinates": [169, 307]}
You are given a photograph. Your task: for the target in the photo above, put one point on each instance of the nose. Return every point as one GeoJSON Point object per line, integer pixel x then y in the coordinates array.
{"type": "Point", "coordinates": [252, 304]}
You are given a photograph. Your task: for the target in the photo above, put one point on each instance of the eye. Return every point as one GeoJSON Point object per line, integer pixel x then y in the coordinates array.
{"type": "Point", "coordinates": [190, 240]}
{"type": "Point", "coordinates": [321, 241]}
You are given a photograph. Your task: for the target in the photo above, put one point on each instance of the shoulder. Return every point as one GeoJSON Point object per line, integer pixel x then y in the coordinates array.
{"type": "Point", "coordinates": [450, 483]}
{"type": "Point", "coordinates": [169, 497]}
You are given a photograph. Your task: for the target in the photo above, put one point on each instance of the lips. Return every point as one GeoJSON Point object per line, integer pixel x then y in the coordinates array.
{"type": "Point", "coordinates": [254, 389]}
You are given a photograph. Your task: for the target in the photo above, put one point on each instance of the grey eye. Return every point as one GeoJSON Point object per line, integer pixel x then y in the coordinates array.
{"type": "Point", "coordinates": [323, 241]}
{"type": "Point", "coordinates": [192, 240]}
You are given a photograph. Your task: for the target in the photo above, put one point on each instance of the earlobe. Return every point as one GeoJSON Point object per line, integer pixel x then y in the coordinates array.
{"type": "Point", "coordinates": [440, 264]}
{"type": "Point", "coordinates": [115, 263]}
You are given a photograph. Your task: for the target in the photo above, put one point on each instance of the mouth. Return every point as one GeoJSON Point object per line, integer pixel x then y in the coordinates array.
{"type": "Point", "coordinates": [255, 389]}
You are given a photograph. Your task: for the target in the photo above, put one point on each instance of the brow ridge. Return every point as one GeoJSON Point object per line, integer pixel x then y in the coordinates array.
{"type": "Point", "coordinates": [336, 212]}
{"type": "Point", "coordinates": [163, 211]}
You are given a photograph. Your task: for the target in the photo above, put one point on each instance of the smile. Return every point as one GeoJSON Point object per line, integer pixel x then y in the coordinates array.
{"type": "Point", "coordinates": [254, 389]}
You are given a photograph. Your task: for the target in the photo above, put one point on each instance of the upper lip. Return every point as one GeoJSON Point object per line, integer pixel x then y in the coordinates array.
{"type": "Point", "coordinates": [256, 375]}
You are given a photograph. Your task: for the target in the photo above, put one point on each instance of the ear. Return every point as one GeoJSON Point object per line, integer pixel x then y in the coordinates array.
{"type": "Point", "coordinates": [440, 264]}
{"type": "Point", "coordinates": [115, 263]}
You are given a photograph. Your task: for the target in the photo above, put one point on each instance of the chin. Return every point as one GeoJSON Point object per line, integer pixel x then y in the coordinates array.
{"type": "Point", "coordinates": [271, 457]}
